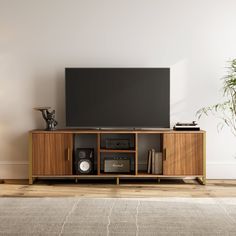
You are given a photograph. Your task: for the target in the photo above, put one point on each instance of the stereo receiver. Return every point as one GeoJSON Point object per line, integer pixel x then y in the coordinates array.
{"type": "Point", "coordinates": [117, 165]}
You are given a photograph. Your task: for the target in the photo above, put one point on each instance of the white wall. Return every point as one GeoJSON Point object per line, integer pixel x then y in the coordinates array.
{"type": "Point", "coordinates": [38, 39]}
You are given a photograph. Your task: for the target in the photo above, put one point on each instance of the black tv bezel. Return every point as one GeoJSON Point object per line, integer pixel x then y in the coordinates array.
{"type": "Point", "coordinates": [108, 127]}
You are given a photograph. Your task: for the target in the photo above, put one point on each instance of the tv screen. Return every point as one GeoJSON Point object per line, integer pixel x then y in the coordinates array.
{"type": "Point", "coordinates": [118, 97]}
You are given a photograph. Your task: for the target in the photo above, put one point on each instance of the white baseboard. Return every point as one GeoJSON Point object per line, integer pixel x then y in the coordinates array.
{"type": "Point", "coordinates": [221, 170]}
{"type": "Point", "coordinates": [19, 170]}
{"type": "Point", "coordinates": [14, 170]}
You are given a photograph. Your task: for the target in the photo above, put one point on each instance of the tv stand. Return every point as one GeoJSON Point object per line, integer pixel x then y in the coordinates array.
{"type": "Point", "coordinates": [51, 153]}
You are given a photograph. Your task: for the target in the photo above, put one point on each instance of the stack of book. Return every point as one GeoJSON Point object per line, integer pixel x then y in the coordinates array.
{"type": "Point", "coordinates": [154, 165]}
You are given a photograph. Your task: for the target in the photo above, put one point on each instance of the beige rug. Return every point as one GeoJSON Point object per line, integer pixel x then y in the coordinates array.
{"type": "Point", "coordinates": [144, 217]}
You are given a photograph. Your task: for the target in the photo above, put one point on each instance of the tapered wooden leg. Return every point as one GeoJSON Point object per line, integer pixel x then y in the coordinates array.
{"type": "Point", "coordinates": [117, 180]}
{"type": "Point", "coordinates": [201, 180]}
{"type": "Point", "coordinates": [31, 180]}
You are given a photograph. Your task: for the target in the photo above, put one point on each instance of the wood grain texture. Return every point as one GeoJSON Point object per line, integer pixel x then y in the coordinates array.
{"type": "Point", "coordinates": [30, 159]}
{"type": "Point", "coordinates": [126, 189]}
{"type": "Point", "coordinates": [91, 131]}
{"type": "Point", "coordinates": [52, 154]}
{"type": "Point", "coordinates": [117, 151]}
{"type": "Point", "coordinates": [183, 154]}
{"type": "Point", "coordinates": [114, 175]}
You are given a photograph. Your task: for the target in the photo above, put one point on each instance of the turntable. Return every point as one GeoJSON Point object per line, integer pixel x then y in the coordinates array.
{"type": "Point", "coordinates": [186, 126]}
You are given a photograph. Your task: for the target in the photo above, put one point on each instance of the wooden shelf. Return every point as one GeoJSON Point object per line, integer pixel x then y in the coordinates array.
{"type": "Point", "coordinates": [116, 176]}
{"type": "Point", "coordinates": [97, 131]}
{"type": "Point", "coordinates": [117, 150]}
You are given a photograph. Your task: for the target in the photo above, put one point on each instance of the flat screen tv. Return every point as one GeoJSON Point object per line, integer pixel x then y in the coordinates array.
{"type": "Point", "coordinates": [117, 97]}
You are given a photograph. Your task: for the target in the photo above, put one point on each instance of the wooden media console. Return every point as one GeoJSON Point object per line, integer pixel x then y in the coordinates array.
{"type": "Point", "coordinates": [51, 153]}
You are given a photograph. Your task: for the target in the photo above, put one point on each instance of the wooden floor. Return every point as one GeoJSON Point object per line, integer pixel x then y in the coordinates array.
{"type": "Point", "coordinates": [107, 189]}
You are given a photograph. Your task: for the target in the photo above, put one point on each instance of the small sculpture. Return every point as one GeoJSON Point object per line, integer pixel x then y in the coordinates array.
{"type": "Point", "coordinates": [49, 117]}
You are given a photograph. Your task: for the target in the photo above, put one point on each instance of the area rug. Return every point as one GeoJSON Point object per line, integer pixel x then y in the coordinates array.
{"type": "Point", "coordinates": [143, 217]}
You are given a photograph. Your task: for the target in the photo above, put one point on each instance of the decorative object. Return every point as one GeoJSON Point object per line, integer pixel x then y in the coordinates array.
{"type": "Point", "coordinates": [226, 111]}
{"type": "Point", "coordinates": [49, 117]}
{"type": "Point", "coordinates": [186, 126]}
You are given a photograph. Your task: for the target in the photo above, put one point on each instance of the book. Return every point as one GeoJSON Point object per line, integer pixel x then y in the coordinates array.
{"type": "Point", "coordinates": [158, 164]}
{"type": "Point", "coordinates": [153, 161]}
{"type": "Point", "coordinates": [149, 161]}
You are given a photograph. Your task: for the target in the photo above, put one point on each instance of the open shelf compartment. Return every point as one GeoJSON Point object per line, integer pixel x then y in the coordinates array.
{"type": "Point", "coordinates": [108, 140]}
{"type": "Point", "coordinates": [148, 142]}
{"type": "Point", "coordinates": [87, 141]}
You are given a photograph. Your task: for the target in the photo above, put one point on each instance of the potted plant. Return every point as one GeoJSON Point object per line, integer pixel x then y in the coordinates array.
{"type": "Point", "coordinates": [225, 111]}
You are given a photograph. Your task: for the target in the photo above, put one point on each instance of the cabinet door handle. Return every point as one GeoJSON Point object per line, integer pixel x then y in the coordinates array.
{"type": "Point", "coordinates": [165, 154]}
{"type": "Point", "coordinates": [68, 154]}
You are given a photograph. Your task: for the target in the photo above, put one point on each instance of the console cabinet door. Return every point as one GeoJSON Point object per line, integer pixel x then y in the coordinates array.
{"type": "Point", "coordinates": [52, 154]}
{"type": "Point", "coordinates": [183, 154]}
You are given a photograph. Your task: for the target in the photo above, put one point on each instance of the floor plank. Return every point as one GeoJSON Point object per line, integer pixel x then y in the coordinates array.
{"type": "Point", "coordinates": [127, 189]}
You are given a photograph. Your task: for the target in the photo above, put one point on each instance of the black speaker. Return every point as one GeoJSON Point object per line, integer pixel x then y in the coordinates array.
{"type": "Point", "coordinates": [84, 161]}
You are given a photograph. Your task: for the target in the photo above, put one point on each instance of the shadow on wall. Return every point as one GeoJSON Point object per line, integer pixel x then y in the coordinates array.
{"type": "Point", "coordinates": [14, 163]}
{"type": "Point", "coordinates": [179, 100]}
{"type": "Point", "coordinates": [18, 117]}
{"type": "Point", "coordinates": [60, 99]}
{"type": "Point", "coordinates": [49, 91]}
{"type": "Point", "coordinates": [14, 146]}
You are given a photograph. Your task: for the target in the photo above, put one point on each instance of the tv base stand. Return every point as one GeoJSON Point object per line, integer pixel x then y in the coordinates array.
{"type": "Point", "coordinates": [51, 153]}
